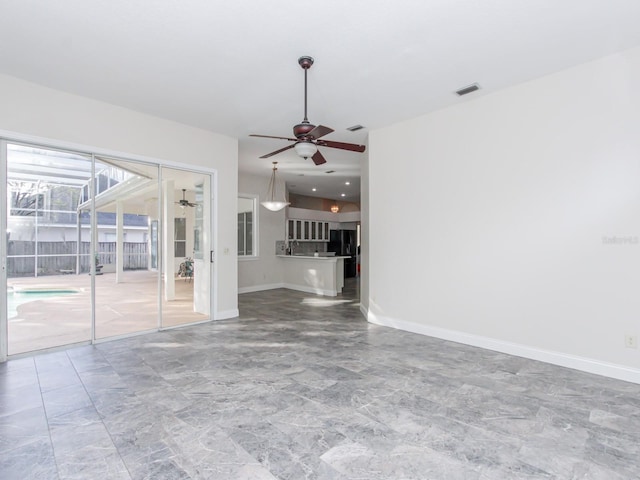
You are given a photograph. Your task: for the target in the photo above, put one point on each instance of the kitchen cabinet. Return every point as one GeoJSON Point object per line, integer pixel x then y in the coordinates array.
{"type": "Point", "coordinates": [307, 230]}
{"type": "Point", "coordinates": [291, 231]}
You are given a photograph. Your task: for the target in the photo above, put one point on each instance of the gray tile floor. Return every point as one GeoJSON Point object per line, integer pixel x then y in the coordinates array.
{"type": "Point", "coordinates": [301, 387]}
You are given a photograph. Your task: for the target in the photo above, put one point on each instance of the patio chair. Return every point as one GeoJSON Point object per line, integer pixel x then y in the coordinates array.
{"type": "Point", "coordinates": [186, 270]}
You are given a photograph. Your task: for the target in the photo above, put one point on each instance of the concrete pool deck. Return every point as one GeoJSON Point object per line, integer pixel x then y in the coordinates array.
{"type": "Point", "coordinates": [121, 308]}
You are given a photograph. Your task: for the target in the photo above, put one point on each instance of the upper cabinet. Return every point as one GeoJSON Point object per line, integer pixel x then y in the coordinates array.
{"type": "Point", "coordinates": [307, 230]}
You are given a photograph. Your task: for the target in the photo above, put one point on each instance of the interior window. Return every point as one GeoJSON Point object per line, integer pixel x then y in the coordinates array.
{"type": "Point", "coordinates": [247, 225]}
{"type": "Point", "coordinates": [180, 240]}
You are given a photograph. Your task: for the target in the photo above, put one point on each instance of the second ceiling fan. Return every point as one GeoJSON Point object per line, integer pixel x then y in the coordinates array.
{"type": "Point", "coordinates": [308, 136]}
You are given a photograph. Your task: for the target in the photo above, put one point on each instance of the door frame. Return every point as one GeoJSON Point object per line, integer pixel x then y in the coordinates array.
{"type": "Point", "coordinates": [4, 322]}
{"type": "Point", "coordinates": [8, 137]}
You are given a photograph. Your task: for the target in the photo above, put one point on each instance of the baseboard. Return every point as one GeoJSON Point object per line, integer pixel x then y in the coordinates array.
{"type": "Point", "coordinates": [223, 315]}
{"type": "Point", "coordinates": [315, 291]}
{"type": "Point", "coordinates": [290, 286]}
{"type": "Point", "coordinates": [260, 288]}
{"type": "Point", "coordinates": [589, 365]}
{"type": "Point", "coordinates": [364, 311]}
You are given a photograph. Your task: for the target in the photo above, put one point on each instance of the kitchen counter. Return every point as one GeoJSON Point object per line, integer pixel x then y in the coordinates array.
{"type": "Point", "coordinates": [311, 274]}
{"type": "Point", "coordinates": [319, 257]}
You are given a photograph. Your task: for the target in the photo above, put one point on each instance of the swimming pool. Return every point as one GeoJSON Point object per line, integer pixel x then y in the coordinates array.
{"type": "Point", "coordinates": [19, 297]}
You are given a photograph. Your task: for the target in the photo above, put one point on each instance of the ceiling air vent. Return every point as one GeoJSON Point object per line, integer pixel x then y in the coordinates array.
{"type": "Point", "coordinates": [469, 89]}
{"type": "Point", "coordinates": [355, 128]}
{"type": "Point", "coordinates": [330, 171]}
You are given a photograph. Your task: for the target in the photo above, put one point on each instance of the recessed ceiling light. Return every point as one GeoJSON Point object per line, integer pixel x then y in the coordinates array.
{"type": "Point", "coordinates": [347, 183]}
{"type": "Point", "coordinates": [343, 194]}
{"type": "Point", "coordinates": [314, 189]}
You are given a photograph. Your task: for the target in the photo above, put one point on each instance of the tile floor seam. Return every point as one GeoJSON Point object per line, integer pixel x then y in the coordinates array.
{"type": "Point", "coordinates": [46, 416]}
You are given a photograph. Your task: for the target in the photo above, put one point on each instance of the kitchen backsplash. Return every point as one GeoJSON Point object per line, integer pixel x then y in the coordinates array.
{"type": "Point", "coordinates": [301, 247]}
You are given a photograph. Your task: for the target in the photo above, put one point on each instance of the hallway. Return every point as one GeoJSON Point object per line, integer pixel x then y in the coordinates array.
{"type": "Point", "coordinates": [302, 387]}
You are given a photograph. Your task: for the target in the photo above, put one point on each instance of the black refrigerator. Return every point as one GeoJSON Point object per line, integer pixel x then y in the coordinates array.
{"type": "Point", "coordinates": [344, 243]}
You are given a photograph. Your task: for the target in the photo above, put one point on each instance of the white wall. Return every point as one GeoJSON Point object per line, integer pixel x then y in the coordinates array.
{"type": "Point", "coordinates": [266, 270]}
{"type": "Point", "coordinates": [63, 119]}
{"type": "Point", "coordinates": [515, 192]}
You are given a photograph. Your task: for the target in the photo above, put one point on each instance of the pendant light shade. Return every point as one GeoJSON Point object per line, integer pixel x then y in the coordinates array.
{"type": "Point", "coordinates": [272, 201]}
{"type": "Point", "coordinates": [305, 149]}
{"type": "Point", "coordinates": [335, 208]}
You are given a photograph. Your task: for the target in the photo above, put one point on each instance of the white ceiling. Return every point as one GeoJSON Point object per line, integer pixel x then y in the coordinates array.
{"type": "Point", "coordinates": [231, 66]}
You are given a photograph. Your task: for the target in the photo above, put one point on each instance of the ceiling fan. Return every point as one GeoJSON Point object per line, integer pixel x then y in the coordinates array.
{"type": "Point", "coordinates": [308, 136]}
{"type": "Point", "coordinates": [184, 202]}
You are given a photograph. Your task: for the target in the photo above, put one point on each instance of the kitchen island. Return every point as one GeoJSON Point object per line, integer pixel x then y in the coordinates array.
{"type": "Point", "coordinates": [321, 275]}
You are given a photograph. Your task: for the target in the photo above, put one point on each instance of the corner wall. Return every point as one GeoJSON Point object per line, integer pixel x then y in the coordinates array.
{"type": "Point", "coordinates": [526, 236]}
{"type": "Point", "coordinates": [68, 120]}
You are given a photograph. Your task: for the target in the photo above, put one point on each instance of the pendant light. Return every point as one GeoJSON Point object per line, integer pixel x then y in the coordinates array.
{"type": "Point", "coordinates": [272, 202]}
{"type": "Point", "coordinates": [335, 208]}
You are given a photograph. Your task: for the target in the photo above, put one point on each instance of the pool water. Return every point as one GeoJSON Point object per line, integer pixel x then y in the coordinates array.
{"type": "Point", "coordinates": [15, 299]}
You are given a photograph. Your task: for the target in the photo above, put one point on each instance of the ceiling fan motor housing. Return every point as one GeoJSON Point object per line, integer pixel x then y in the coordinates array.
{"type": "Point", "coordinates": [301, 130]}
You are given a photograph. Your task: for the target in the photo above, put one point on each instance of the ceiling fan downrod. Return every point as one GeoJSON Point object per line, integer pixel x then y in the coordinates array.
{"type": "Point", "coordinates": [305, 62]}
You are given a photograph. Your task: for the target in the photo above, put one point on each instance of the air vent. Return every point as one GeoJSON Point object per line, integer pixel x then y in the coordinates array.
{"type": "Point", "coordinates": [355, 128]}
{"type": "Point", "coordinates": [466, 90]}
{"type": "Point", "coordinates": [330, 171]}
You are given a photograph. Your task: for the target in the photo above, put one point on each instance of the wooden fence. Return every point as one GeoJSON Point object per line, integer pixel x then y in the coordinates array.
{"type": "Point", "coordinates": [54, 258]}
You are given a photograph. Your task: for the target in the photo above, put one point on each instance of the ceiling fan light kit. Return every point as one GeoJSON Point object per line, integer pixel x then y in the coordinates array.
{"type": "Point", "coordinates": [272, 202]}
{"type": "Point", "coordinates": [305, 149]}
{"type": "Point", "coordinates": [307, 135]}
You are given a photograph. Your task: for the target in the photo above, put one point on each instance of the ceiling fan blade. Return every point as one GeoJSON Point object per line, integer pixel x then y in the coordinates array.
{"type": "Point", "coordinates": [319, 131]}
{"type": "Point", "coordinates": [318, 159]}
{"type": "Point", "coordinates": [279, 138]}
{"type": "Point", "coordinates": [341, 145]}
{"type": "Point", "coordinates": [278, 151]}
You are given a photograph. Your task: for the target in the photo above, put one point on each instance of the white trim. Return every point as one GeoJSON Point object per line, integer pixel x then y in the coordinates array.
{"type": "Point", "coordinates": [214, 288]}
{"type": "Point", "coordinates": [4, 313]}
{"type": "Point", "coordinates": [316, 291]}
{"type": "Point", "coordinates": [44, 351]}
{"type": "Point", "coordinates": [182, 325]}
{"type": "Point", "coordinates": [225, 314]}
{"type": "Point", "coordinates": [260, 288]}
{"type": "Point", "coordinates": [122, 336]}
{"type": "Point", "coordinates": [364, 311]}
{"type": "Point", "coordinates": [299, 288]}
{"type": "Point", "coordinates": [620, 372]}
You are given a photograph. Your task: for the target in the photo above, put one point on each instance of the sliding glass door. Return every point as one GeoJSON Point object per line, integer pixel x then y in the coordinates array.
{"type": "Point", "coordinates": [186, 215]}
{"type": "Point", "coordinates": [48, 289]}
{"type": "Point", "coordinates": [126, 204]}
{"type": "Point", "coordinates": [99, 247]}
